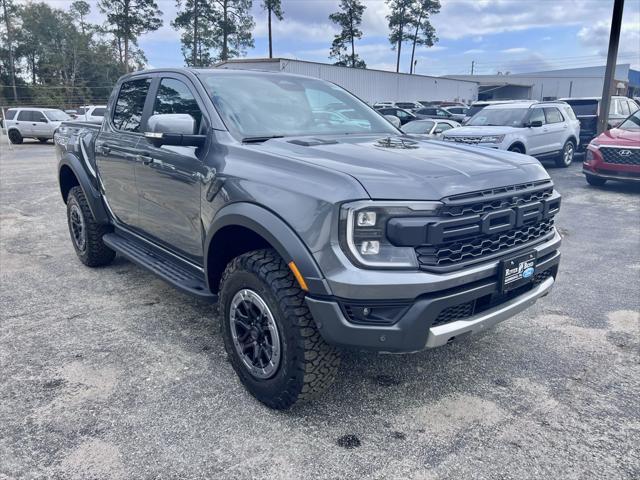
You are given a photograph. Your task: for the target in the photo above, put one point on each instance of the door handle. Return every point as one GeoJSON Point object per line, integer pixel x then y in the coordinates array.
{"type": "Point", "coordinates": [144, 159]}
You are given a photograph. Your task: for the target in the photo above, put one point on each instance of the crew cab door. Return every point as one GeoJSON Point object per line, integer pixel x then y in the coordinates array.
{"type": "Point", "coordinates": [116, 150]}
{"type": "Point", "coordinates": [24, 122]}
{"type": "Point", "coordinates": [558, 129]}
{"type": "Point", "coordinates": [537, 137]}
{"type": "Point", "coordinates": [169, 178]}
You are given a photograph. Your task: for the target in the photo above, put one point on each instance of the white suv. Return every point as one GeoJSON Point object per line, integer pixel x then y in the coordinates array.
{"type": "Point", "coordinates": [91, 113]}
{"type": "Point", "coordinates": [38, 123]}
{"type": "Point", "coordinates": [545, 130]}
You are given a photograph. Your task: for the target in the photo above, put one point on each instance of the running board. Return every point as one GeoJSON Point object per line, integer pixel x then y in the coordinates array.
{"type": "Point", "coordinates": [177, 273]}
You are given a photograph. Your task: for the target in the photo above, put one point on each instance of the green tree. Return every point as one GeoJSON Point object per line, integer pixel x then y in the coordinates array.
{"type": "Point", "coordinates": [400, 20]}
{"type": "Point", "coordinates": [423, 33]}
{"type": "Point", "coordinates": [232, 30]}
{"type": "Point", "coordinates": [8, 13]}
{"type": "Point", "coordinates": [196, 20]}
{"type": "Point", "coordinates": [343, 47]}
{"type": "Point", "coordinates": [80, 9]}
{"type": "Point", "coordinates": [273, 7]}
{"type": "Point", "coordinates": [126, 21]}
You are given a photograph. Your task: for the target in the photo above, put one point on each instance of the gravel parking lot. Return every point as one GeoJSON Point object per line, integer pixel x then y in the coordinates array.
{"type": "Point", "coordinates": [111, 373]}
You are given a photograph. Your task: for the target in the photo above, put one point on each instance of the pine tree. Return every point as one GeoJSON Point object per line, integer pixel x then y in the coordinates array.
{"type": "Point", "coordinates": [127, 20]}
{"type": "Point", "coordinates": [233, 26]}
{"type": "Point", "coordinates": [400, 20]}
{"type": "Point", "coordinates": [196, 20]}
{"type": "Point", "coordinates": [273, 7]}
{"type": "Point", "coordinates": [423, 33]}
{"type": "Point", "coordinates": [349, 19]}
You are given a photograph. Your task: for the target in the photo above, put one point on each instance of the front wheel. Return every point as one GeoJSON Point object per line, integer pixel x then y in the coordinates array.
{"type": "Point", "coordinates": [566, 157]}
{"type": "Point", "coordinates": [595, 181]}
{"type": "Point", "coordinates": [516, 149]}
{"type": "Point", "coordinates": [269, 334]}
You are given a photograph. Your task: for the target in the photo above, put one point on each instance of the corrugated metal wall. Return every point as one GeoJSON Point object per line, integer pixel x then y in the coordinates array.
{"type": "Point", "coordinates": [372, 85]}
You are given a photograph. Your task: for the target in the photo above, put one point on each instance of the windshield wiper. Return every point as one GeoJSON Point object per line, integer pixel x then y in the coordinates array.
{"type": "Point", "coordinates": [260, 139]}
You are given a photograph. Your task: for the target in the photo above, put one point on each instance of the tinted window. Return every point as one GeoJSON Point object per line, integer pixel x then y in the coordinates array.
{"type": "Point", "coordinates": [127, 114]}
{"type": "Point", "coordinates": [25, 116]}
{"type": "Point", "coordinates": [427, 111]}
{"type": "Point", "coordinates": [401, 114]}
{"type": "Point", "coordinates": [537, 115]}
{"type": "Point", "coordinates": [9, 114]}
{"type": "Point", "coordinates": [473, 109]}
{"type": "Point", "coordinates": [443, 126]}
{"type": "Point", "coordinates": [405, 105]}
{"type": "Point", "coordinates": [175, 97]}
{"type": "Point", "coordinates": [99, 112]}
{"type": "Point", "coordinates": [553, 115]}
{"type": "Point", "coordinates": [584, 107]}
{"type": "Point", "coordinates": [511, 117]}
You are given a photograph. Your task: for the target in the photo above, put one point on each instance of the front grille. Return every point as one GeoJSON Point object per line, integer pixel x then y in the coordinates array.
{"type": "Point", "coordinates": [620, 155]}
{"type": "Point", "coordinates": [477, 247]}
{"type": "Point", "coordinates": [540, 277]}
{"type": "Point", "coordinates": [453, 313]}
{"type": "Point", "coordinates": [468, 140]}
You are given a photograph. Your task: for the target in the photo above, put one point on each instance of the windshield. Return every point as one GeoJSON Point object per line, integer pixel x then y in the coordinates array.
{"type": "Point", "coordinates": [631, 123]}
{"type": "Point", "coordinates": [473, 109]}
{"type": "Point", "coordinates": [418, 127]}
{"type": "Point", "coordinates": [584, 107]}
{"type": "Point", "coordinates": [504, 117]}
{"type": "Point", "coordinates": [259, 105]}
{"type": "Point", "coordinates": [56, 115]}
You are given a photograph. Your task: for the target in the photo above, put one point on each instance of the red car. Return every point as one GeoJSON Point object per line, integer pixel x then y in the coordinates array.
{"type": "Point", "coordinates": [615, 154]}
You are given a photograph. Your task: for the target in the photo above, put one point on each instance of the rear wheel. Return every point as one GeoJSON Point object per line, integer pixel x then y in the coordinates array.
{"type": "Point", "coordinates": [595, 181]}
{"type": "Point", "coordinates": [86, 233]}
{"type": "Point", "coordinates": [566, 157]}
{"type": "Point", "coordinates": [15, 137]}
{"type": "Point", "coordinates": [43, 140]}
{"type": "Point", "coordinates": [271, 339]}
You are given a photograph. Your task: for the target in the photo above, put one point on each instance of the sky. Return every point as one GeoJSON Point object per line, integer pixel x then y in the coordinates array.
{"type": "Point", "coordinates": [498, 35]}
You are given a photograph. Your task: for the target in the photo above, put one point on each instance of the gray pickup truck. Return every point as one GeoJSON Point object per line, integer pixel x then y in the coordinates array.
{"type": "Point", "coordinates": [312, 222]}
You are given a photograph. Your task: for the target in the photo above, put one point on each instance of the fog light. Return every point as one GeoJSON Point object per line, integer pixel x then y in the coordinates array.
{"type": "Point", "coordinates": [370, 247]}
{"type": "Point", "coordinates": [366, 219]}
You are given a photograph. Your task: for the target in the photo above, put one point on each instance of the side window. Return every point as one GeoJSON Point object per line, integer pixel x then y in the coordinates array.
{"type": "Point", "coordinates": [623, 108]}
{"type": "Point", "coordinates": [568, 112]}
{"type": "Point", "coordinates": [537, 115]}
{"type": "Point", "coordinates": [38, 116]}
{"type": "Point", "coordinates": [442, 113]}
{"type": "Point", "coordinates": [401, 114]}
{"type": "Point", "coordinates": [553, 115]}
{"type": "Point", "coordinates": [443, 126]}
{"type": "Point", "coordinates": [25, 116]}
{"type": "Point", "coordinates": [127, 114]}
{"type": "Point", "coordinates": [9, 114]}
{"type": "Point", "coordinates": [175, 97]}
{"type": "Point", "coordinates": [632, 106]}
{"type": "Point", "coordinates": [98, 112]}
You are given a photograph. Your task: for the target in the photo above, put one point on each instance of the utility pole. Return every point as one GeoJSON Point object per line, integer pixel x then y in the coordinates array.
{"type": "Point", "coordinates": [612, 57]}
{"type": "Point", "coordinates": [12, 70]}
{"type": "Point", "coordinates": [473, 64]}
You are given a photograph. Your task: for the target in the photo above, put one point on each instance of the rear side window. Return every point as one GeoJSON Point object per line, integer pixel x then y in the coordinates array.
{"type": "Point", "coordinates": [175, 97]}
{"type": "Point", "coordinates": [9, 114]}
{"type": "Point", "coordinates": [568, 112]}
{"type": "Point", "coordinates": [553, 115]}
{"type": "Point", "coordinates": [127, 114]}
{"type": "Point", "coordinates": [26, 116]}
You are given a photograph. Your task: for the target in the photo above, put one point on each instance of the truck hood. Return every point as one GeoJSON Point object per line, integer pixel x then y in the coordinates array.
{"type": "Point", "coordinates": [403, 168]}
{"type": "Point", "coordinates": [478, 131]}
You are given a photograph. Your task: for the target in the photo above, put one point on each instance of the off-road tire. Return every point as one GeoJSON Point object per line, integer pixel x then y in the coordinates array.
{"type": "Point", "coordinates": [15, 137]}
{"type": "Point", "coordinates": [95, 253]}
{"type": "Point", "coordinates": [566, 155]}
{"type": "Point", "coordinates": [595, 181]}
{"type": "Point", "coordinates": [308, 365]}
{"type": "Point", "coordinates": [43, 139]}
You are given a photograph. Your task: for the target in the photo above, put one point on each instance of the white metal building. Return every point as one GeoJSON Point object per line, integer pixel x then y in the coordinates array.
{"type": "Point", "coordinates": [552, 84]}
{"type": "Point", "coordinates": [369, 85]}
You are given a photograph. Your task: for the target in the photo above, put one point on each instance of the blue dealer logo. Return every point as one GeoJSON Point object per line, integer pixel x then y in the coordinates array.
{"type": "Point", "coordinates": [528, 272]}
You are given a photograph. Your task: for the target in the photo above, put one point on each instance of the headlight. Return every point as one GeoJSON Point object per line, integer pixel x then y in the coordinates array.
{"type": "Point", "coordinates": [363, 236]}
{"type": "Point", "coordinates": [492, 139]}
{"type": "Point", "coordinates": [589, 156]}
{"type": "Point", "coordinates": [594, 144]}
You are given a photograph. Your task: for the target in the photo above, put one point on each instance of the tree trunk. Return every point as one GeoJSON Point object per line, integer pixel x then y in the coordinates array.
{"type": "Point", "coordinates": [225, 32]}
{"type": "Point", "coordinates": [126, 36]}
{"type": "Point", "coordinates": [10, 48]}
{"type": "Point", "coordinates": [194, 53]}
{"type": "Point", "coordinates": [270, 40]}
{"type": "Point", "coordinates": [353, 46]}
{"type": "Point", "coordinates": [399, 49]}
{"type": "Point", "coordinates": [415, 40]}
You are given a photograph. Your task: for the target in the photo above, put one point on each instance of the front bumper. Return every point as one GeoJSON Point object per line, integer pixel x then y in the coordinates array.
{"type": "Point", "coordinates": [415, 329]}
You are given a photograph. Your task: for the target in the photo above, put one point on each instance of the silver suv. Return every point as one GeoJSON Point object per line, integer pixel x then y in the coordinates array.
{"type": "Point", "coordinates": [38, 123]}
{"type": "Point", "coordinates": [545, 130]}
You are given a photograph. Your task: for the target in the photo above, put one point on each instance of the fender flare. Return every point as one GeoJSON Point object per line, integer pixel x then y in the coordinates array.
{"type": "Point", "coordinates": [275, 231]}
{"type": "Point", "coordinates": [93, 196]}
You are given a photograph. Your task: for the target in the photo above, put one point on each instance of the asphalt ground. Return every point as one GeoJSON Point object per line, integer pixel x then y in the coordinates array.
{"type": "Point", "coordinates": [112, 374]}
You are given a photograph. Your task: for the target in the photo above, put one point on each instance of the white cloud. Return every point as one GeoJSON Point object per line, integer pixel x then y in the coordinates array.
{"type": "Point", "coordinates": [473, 51]}
{"type": "Point", "coordinates": [514, 50]}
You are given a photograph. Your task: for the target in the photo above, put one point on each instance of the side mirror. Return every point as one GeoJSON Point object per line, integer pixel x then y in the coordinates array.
{"type": "Point", "coordinates": [176, 129]}
{"type": "Point", "coordinates": [535, 123]}
{"type": "Point", "coordinates": [395, 121]}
